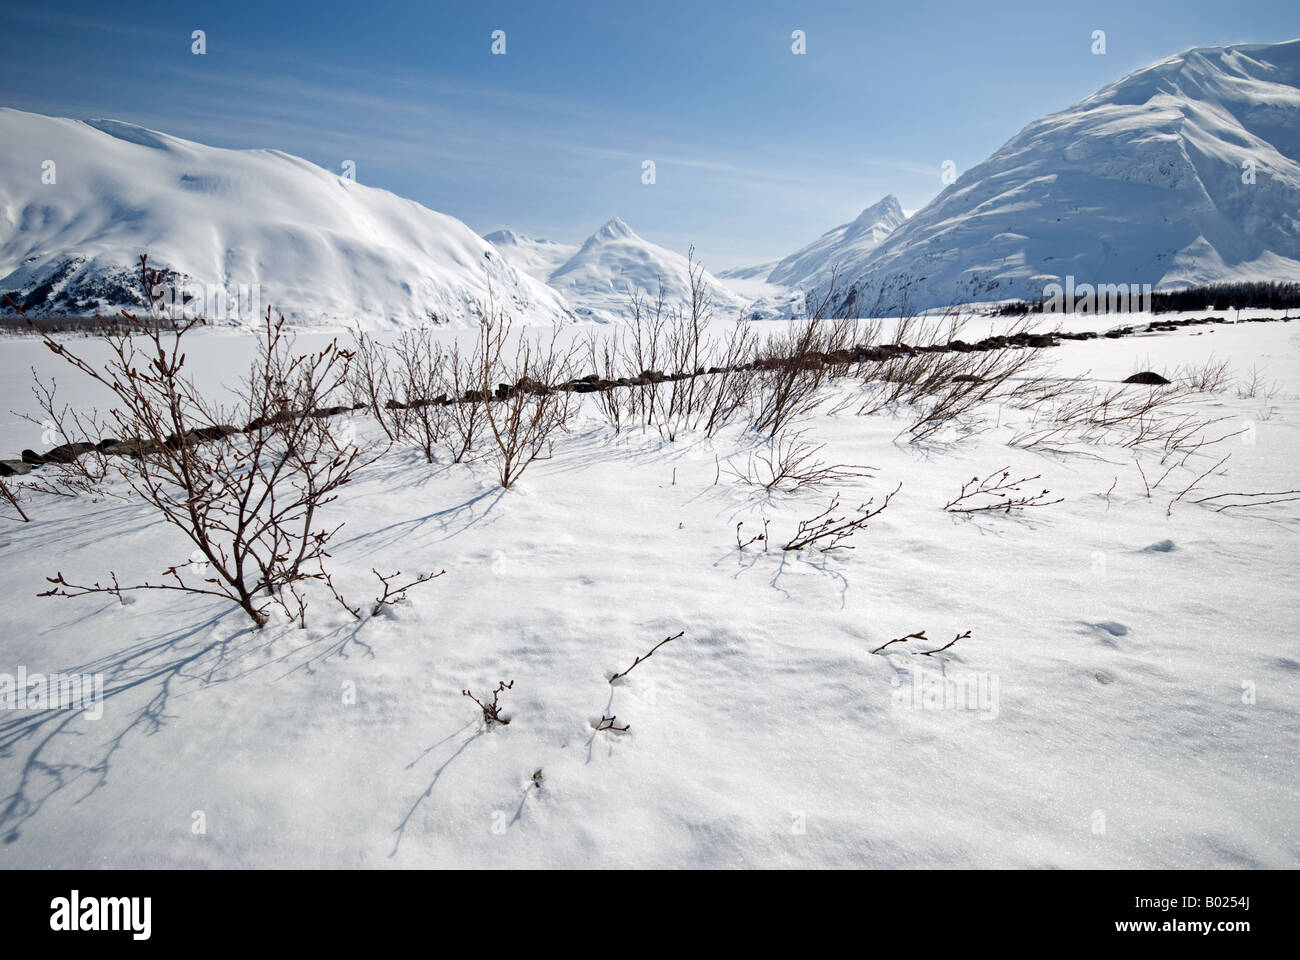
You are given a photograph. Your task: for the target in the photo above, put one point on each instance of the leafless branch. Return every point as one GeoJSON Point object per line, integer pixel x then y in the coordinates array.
{"type": "Point", "coordinates": [619, 676]}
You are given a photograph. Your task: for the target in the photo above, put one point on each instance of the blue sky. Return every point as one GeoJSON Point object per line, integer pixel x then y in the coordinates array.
{"type": "Point", "coordinates": [757, 150]}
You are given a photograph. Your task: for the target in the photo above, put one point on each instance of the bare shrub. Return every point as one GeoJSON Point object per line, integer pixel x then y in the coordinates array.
{"type": "Point", "coordinates": [464, 414]}
{"type": "Point", "coordinates": [1128, 416]}
{"type": "Point", "coordinates": [948, 382]}
{"type": "Point", "coordinates": [370, 383]}
{"type": "Point", "coordinates": [394, 594]}
{"type": "Point", "coordinates": [915, 367]}
{"type": "Point", "coordinates": [974, 381]}
{"type": "Point", "coordinates": [950, 643]}
{"type": "Point", "coordinates": [792, 374]}
{"type": "Point", "coordinates": [528, 410]}
{"type": "Point", "coordinates": [919, 635]}
{"type": "Point", "coordinates": [417, 380]}
{"type": "Point", "coordinates": [640, 349]}
{"type": "Point", "coordinates": [492, 711]}
{"type": "Point", "coordinates": [1253, 386]}
{"type": "Point", "coordinates": [828, 532]}
{"type": "Point", "coordinates": [251, 505]}
{"type": "Point", "coordinates": [1194, 484]}
{"type": "Point", "coordinates": [75, 465]}
{"type": "Point", "coordinates": [682, 400]}
{"type": "Point", "coordinates": [1209, 377]}
{"type": "Point", "coordinates": [998, 493]}
{"type": "Point", "coordinates": [678, 376]}
{"type": "Point", "coordinates": [603, 353]}
{"type": "Point", "coordinates": [732, 385]}
{"type": "Point", "coordinates": [757, 538]}
{"type": "Point", "coordinates": [1041, 390]}
{"type": "Point", "coordinates": [791, 463]}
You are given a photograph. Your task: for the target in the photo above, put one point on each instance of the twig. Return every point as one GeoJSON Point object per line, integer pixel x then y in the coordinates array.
{"type": "Point", "coordinates": [931, 653]}
{"type": "Point", "coordinates": [12, 497]}
{"type": "Point", "coordinates": [835, 530]}
{"type": "Point", "coordinates": [757, 538]}
{"type": "Point", "coordinates": [492, 711]}
{"type": "Point", "coordinates": [1283, 496]}
{"type": "Point", "coordinates": [1003, 490]}
{"type": "Point", "coordinates": [394, 595]}
{"type": "Point", "coordinates": [618, 676]}
{"type": "Point", "coordinates": [1188, 489]}
{"type": "Point", "coordinates": [911, 636]}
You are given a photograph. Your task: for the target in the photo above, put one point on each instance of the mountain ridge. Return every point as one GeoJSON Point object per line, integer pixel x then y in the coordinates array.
{"type": "Point", "coordinates": [1144, 181]}
{"type": "Point", "coordinates": [319, 247]}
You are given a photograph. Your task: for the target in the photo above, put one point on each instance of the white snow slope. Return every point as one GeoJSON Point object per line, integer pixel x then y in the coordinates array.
{"type": "Point", "coordinates": [1129, 695]}
{"type": "Point", "coordinates": [537, 258]}
{"type": "Point", "coordinates": [841, 250]}
{"type": "Point", "coordinates": [1143, 182]}
{"type": "Point", "coordinates": [596, 279]}
{"type": "Point", "coordinates": [324, 249]}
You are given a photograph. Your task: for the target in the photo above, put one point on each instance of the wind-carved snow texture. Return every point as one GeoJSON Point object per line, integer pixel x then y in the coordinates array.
{"type": "Point", "coordinates": [1185, 172]}
{"type": "Point", "coordinates": [317, 246]}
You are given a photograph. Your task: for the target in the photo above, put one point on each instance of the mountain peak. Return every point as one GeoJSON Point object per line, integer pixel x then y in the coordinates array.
{"type": "Point", "coordinates": [886, 210]}
{"type": "Point", "coordinates": [596, 280]}
{"type": "Point", "coordinates": [840, 247]}
{"type": "Point", "coordinates": [614, 229]}
{"type": "Point", "coordinates": [1141, 182]}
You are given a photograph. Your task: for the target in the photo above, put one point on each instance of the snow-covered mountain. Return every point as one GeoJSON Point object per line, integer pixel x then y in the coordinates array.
{"type": "Point", "coordinates": [80, 201]}
{"type": "Point", "coordinates": [537, 258]}
{"type": "Point", "coordinates": [843, 249]}
{"type": "Point", "coordinates": [1184, 172]}
{"type": "Point", "coordinates": [755, 272]}
{"type": "Point", "coordinates": [596, 279]}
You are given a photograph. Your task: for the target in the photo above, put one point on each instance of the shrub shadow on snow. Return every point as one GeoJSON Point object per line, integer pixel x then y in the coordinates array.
{"type": "Point", "coordinates": [64, 751]}
{"type": "Point", "coordinates": [400, 829]}
{"type": "Point", "coordinates": [450, 522]}
{"type": "Point", "coordinates": [138, 684]}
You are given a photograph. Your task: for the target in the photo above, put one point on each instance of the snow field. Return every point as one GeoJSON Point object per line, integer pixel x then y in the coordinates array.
{"type": "Point", "coordinates": [1145, 665]}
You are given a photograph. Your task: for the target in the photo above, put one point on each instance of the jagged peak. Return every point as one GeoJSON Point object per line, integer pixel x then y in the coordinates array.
{"type": "Point", "coordinates": [613, 229]}
{"type": "Point", "coordinates": [887, 209]}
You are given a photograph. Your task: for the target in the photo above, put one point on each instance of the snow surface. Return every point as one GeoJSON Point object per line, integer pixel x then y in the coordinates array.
{"type": "Point", "coordinates": [323, 248]}
{"type": "Point", "coordinates": [1122, 642]}
{"type": "Point", "coordinates": [1143, 182]}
